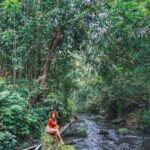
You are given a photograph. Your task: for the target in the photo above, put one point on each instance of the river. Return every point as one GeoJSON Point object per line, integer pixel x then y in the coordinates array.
{"type": "Point", "coordinates": [135, 140]}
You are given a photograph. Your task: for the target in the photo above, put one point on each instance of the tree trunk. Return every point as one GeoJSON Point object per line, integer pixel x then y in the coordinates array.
{"type": "Point", "coordinates": [14, 52]}
{"type": "Point", "coordinates": [37, 45]}
{"type": "Point", "coordinates": [148, 95]}
{"type": "Point", "coordinates": [49, 56]}
{"type": "Point", "coordinates": [37, 51]}
{"type": "Point", "coordinates": [48, 59]}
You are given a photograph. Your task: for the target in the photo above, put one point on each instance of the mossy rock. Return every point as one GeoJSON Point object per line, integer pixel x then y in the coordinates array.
{"type": "Point", "coordinates": [123, 131]}
{"type": "Point", "coordinates": [103, 132]}
{"type": "Point", "coordinates": [67, 147]}
{"type": "Point", "coordinates": [76, 132]}
{"type": "Point", "coordinates": [49, 143]}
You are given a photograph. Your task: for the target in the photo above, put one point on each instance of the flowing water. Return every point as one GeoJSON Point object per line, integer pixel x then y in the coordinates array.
{"type": "Point", "coordinates": [135, 140]}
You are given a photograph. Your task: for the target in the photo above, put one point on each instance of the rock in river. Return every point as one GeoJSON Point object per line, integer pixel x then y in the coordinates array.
{"type": "Point", "coordinates": [76, 132]}
{"type": "Point", "coordinates": [103, 132]}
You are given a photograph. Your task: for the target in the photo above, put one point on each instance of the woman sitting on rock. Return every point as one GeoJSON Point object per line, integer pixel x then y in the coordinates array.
{"type": "Point", "coordinates": [53, 127]}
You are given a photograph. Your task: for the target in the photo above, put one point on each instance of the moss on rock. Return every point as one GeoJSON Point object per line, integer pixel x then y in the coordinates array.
{"type": "Point", "coordinates": [123, 131]}
{"type": "Point", "coordinates": [67, 147]}
{"type": "Point", "coordinates": [49, 143]}
{"type": "Point", "coordinates": [76, 132]}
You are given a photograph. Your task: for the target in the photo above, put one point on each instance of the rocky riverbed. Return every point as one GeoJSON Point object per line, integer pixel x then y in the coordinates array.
{"type": "Point", "coordinates": [92, 132]}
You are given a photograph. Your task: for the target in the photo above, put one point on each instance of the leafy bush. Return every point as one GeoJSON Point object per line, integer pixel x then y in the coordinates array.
{"type": "Point", "coordinates": [146, 117]}
{"type": "Point", "coordinates": [94, 106]}
{"type": "Point", "coordinates": [55, 101]}
{"type": "Point", "coordinates": [7, 141]}
{"type": "Point", "coordinates": [15, 119]}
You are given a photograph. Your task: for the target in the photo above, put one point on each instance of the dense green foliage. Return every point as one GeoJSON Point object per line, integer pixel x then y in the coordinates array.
{"type": "Point", "coordinates": [100, 65]}
{"type": "Point", "coordinates": [21, 121]}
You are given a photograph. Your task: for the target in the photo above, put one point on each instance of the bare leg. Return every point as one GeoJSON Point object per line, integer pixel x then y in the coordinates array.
{"type": "Point", "coordinates": [58, 136]}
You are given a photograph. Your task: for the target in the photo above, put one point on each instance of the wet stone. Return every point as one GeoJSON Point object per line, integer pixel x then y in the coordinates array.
{"type": "Point", "coordinates": [103, 132]}
{"type": "Point", "coordinates": [76, 132]}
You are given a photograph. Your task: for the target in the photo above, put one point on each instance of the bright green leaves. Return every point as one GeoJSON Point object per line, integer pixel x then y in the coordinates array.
{"type": "Point", "coordinates": [11, 5]}
{"type": "Point", "coordinates": [131, 10]}
{"type": "Point", "coordinates": [31, 118]}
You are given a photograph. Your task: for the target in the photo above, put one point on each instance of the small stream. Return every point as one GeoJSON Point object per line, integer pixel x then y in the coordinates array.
{"type": "Point", "coordinates": [135, 140]}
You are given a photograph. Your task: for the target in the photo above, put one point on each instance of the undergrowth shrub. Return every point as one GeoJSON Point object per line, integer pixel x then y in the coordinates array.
{"type": "Point", "coordinates": [7, 141]}
{"type": "Point", "coordinates": [146, 117]}
{"type": "Point", "coordinates": [15, 119]}
{"type": "Point", "coordinates": [55, 101]}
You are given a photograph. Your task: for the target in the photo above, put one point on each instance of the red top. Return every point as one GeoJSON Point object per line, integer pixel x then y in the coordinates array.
{"type": "Point", "coordinates": [51, 123]}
